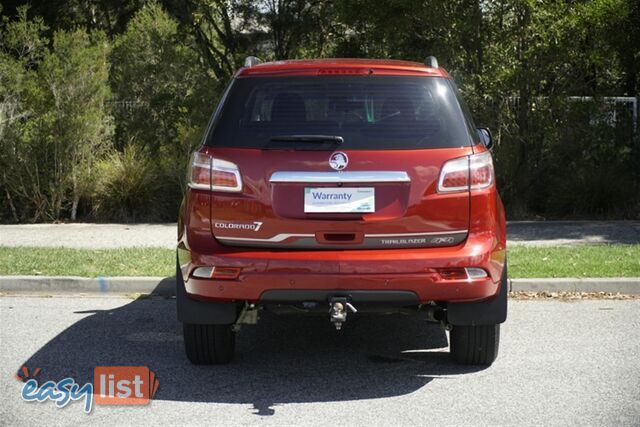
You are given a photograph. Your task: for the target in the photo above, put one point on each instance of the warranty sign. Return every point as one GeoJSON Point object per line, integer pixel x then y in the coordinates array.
{"type": "Point", "coordinates": [339, 200]}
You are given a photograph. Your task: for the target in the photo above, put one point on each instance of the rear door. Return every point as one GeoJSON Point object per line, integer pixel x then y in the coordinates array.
{"type": "Point", "coordinates": [332, 162]}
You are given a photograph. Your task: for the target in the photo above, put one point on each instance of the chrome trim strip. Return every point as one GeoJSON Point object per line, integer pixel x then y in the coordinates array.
{"type": "Point", "coordinates": [432, 233]}
{"type": "Point", "coordinates": [283, 236]}
{"type": "Point", "coordinates": [342, 176]}
{"type": "Point", "coordinates": [275, 239]}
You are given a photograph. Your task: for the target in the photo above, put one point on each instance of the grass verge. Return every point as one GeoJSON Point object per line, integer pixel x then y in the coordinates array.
{"type": "Point", "coordinates": [87, 262]}
{"type": "Point", "coordinates": [524, 262]}
{"type": "Point", "coordinates": [574, 261]}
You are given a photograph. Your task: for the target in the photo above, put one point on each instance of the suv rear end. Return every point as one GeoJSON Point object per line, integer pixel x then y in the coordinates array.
{"type": "Point", "coordinates": [341, 187]}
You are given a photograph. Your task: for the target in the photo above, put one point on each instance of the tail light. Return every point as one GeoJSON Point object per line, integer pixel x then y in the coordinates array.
{"type": "Point", "coordinates": [218, 273]}
{"type": "Point", "coordinates": [473, 172]}
{"type": "Point", "coordinates": [209, 173]}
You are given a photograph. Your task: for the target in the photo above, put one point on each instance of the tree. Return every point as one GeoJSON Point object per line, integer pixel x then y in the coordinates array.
{"type": "Point", "coordinates": [517, 62]}
{"type": "Point", "coordinates": [54, 124]}
{"type": "Point", "coordinates": [159, 82]}
{"type": "Point", "coordinates": [164, 95]}
{"type": "Point", "coordinates": [288, 29]}
{"type": "Point", "coordinates": [109, 16]}
{"type": "Point", "coordinates": [216, 28]}
{"type": "Point", "coordinates": [22, 46]}
{"type": "Point", "coordinates": [76, 125]}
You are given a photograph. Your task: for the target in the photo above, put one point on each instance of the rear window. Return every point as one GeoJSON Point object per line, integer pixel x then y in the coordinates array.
{"type": "Point", "coordinates": [367, 112]}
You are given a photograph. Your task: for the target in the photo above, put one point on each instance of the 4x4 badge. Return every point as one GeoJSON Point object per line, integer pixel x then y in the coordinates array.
{"type": "Point", "coordinates": [338, 160]}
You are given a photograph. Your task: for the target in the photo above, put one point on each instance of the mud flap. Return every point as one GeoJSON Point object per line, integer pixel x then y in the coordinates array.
{"type": "Point", "coordinates": [201, 312]}
{"type": "Point", "coordinates": [489, 312]}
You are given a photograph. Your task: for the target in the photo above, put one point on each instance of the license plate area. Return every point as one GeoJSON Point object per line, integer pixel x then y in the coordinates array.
{"type": "Point", "coordinates": [339, 200]}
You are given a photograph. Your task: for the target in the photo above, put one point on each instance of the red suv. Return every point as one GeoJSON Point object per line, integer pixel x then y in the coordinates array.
{"type": "Point", "coordinates": [342, 187]}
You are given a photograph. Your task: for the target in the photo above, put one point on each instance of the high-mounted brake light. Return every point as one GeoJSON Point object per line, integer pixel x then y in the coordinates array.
{"type": "Point", "coordinates": [344, 71]}
{"type": "Point", "coordinates": [209, 173]}
{"type": "Point", "coordinates": [473, 172]}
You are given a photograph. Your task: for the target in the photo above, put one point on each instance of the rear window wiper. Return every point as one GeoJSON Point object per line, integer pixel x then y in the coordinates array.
{"type": "Point", "coordinates": [335, 139]}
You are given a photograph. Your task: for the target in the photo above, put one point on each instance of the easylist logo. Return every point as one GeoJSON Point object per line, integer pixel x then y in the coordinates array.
{"type": "Point", "coordinates": [255, 226]}
{"type": "Point", "coordinates": [124, 385]}
{"type": "Point", "coordinates": [112, 385]}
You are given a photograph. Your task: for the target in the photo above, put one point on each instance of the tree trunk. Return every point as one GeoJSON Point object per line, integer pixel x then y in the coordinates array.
{"type": "Point", "coordinates": [11, 205]}
{"type": "Point", "coordinates": [76, 198]}
{"type": "Point", "coordinates": [74, 207]}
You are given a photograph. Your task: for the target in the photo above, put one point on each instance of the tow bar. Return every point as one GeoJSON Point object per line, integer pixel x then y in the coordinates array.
{"type": "Point", "coordinates": [338, 311]}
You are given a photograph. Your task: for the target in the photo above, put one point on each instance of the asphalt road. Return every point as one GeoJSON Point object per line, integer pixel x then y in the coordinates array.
{"type": "Point", "coordinates": [107, 236]}
{"type": "Point", "coordinates": [561, 363]}
{"type": "Point", "coordinates": [89, 236]}
{"type": "Point", "coordinates": [560, 233]}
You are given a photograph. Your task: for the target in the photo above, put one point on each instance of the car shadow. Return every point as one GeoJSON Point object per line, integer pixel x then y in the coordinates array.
{"type": "Point", "coordinates": [282, 359]}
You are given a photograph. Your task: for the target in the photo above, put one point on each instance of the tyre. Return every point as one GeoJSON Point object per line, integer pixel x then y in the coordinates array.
{"type": "Point", "coordinates": [475, 345]}
{"type": "Point", "coordinates": [209, 344]}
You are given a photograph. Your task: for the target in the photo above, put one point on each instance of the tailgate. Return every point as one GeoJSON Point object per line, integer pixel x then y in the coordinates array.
{"type": "Point", "coordinates": [298, 200]}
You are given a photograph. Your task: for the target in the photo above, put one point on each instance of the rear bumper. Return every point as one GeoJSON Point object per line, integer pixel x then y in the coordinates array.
{"type": "Point", "coordinates": [413, 272]}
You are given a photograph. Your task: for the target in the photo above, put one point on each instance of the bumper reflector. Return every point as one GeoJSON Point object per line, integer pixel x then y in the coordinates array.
{"type": "Point", "coordinates": [476, 273]}
{"type": "Point", "coordinates": [468, 273]}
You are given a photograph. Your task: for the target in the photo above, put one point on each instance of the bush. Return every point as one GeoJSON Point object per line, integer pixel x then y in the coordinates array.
{"type": "Point", "coordinates": [129, 188]}
{"type": "Point", "coordinates": [571, 160]}
{"type": "Point", "coordinates": [53, 124]}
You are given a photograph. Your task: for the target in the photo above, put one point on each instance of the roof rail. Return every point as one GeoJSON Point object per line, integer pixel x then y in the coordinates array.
{"type": "Point", "coordinates": [250, 61]}
{"type": "Point", "coordinates": [431, 61]}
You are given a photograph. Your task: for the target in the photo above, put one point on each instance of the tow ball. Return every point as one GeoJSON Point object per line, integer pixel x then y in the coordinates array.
{"type": "Point", "coordinates": [338, 311]}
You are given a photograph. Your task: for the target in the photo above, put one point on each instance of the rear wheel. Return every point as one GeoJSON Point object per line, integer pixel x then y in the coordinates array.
{"type": "Point", "coordinates": [475, 345]}
{"type": "Point", "coordinates": [209, 344]}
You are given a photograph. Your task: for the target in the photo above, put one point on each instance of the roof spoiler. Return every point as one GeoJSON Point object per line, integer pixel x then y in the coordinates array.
{"type": "Point", "coordinates": [250, 61]}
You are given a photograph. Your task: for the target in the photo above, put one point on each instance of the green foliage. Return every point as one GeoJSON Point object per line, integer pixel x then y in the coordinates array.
{"type": "Point", "coordinates": [109, 16]}
{"type": "Point", "coordinates": [132, 83]}
{"type": "Point", "coordinates": [75, 128]}
{"type": "Point", "coordinates": [158, 73]}
{"type": "Point", "coordinates": [129, 187]}
{"type": "Point", "coordinates": [56, 124]}
{"type": "Point", "coordinates": [169, 96]}
{"type": "Point", "coordinates": [573, 163]}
